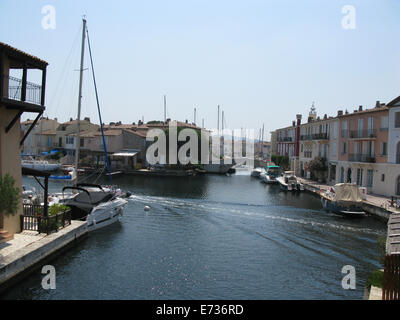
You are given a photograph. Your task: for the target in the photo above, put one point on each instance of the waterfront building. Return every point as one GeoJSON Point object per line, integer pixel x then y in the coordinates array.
{"type": "Point", "coordinates": [117, 142]}
{"type": "Point", "coordinates": [64, 141]}
{"type": "Point", "coordinates": [394, 146]}
{"type": "Point", "coordinates": [17, 95]}
{"type": "Point", "coordinates": [285, 142]}
{"type": "Point", "coordinates": [363, 149]}
{"type": "Point", "coordinates": [318, 139]}
{"type": "Point", "coordinates": [42, 137]}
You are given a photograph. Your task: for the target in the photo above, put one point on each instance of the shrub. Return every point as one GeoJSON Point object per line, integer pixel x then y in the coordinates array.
{"type": "Point", "coordinates": [9, 197]}
{"type": "Point", "coordinates": [375, 279]}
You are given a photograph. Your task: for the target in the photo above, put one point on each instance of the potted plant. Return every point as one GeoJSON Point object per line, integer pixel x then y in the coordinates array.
{"type": "Point", "coordinates": [9, 198]}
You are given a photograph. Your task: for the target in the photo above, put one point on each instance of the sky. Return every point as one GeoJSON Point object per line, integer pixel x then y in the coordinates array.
{"type": "Point", "coordinates": [262, 61]}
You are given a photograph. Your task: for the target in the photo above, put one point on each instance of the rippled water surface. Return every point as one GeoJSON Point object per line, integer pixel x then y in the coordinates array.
{"type": "Point", "coordinates": [214, 237]}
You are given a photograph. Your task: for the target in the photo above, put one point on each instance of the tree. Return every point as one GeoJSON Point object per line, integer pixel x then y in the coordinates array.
{"type": "Point", "coordinates": [9, 197]}
{"type": "Point", "coordinates": [318, 167]}
{"type": "Point", "coordinates": [282, 161]}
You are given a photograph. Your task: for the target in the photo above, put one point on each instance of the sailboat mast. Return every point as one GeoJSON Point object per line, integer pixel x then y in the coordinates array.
{"type": "Point", "coordinates": [165, 108]}
{"type": "Point", "coordinates": [77, 142]}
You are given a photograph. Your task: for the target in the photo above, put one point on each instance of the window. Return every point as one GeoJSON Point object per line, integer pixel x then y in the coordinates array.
{"type": "Point", "coordinates": [383, 177]}
{"type": "Point", "coordinates": [370, 178]}
{"type": "Point", "coordinates": [344, 150]}
{"type": "Point", "coordinates": [398, 185]}
{"type": "Point", "coordinates": [384, 123]}
{"type": "Point", "coordinates": [383, 148]}
{"type": "Point", "coordinates": [359, 177]}
{"type": "Point", "coordinates": [341, 174]}
{"type": "Point", "coordinates": [82, 142]}
{"type": "Point", "coordinates": [397, 120]}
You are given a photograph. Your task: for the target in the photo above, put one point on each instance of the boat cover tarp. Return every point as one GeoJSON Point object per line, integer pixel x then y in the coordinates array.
{"type": "Point", "coordinates": [347, 193]}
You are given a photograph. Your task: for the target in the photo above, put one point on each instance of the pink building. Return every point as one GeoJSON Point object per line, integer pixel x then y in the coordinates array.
{"type": "Point", "coordinates": [363, 146]}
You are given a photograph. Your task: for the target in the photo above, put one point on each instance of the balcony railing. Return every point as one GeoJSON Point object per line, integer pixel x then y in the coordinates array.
{"type": "Point", "coordinates": [285, 139]}
{"type": "Point", "coordinates": [314, 136]}
{"type": "Point", "coordinates": [304, 137]}
{"type": "Point", "coordinates": [33, 91]}
{"type": "Point", "coordinates": [362, 158]}
{"type": "Point", "coordinates": [33, 220]}
{"type": "Point", "coordinates": [320, 136]}
{"type": "Point", "coordinates": [363, 134]}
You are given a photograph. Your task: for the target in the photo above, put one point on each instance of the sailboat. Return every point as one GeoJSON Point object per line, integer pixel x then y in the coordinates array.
{"type": "Point", "coordinates": [96, 205]}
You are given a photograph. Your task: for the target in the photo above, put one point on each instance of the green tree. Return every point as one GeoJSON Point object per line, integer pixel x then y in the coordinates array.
{"type": "Point", "coordinates": [9, 197]}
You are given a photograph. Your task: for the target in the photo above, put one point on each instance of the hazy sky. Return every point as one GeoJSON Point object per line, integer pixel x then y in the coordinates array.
{"type": "Point", "coordinates": [262, 61]}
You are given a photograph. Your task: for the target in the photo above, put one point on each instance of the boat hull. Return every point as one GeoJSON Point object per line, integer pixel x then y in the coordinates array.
{"type": "Point", "coordinates": [41, 166]}
{"type": "Point", "coordinates": [333, 206]}
{"type": "Point", "coordinates": [217, 168]}
{"type": "Point", "coordinates": [106, 214]}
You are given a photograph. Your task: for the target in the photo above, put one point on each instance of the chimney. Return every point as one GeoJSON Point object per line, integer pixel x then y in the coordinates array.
{"type": "Point", "coordinates": [325, 116]}
{"type": "Point", "coordinates": [340, 113]}
{"type": "Point", "coordinates": [293, 123]}
{"type": "Point", "coordinates": [378, 104]}
{"type": "Point", "coordinates": [112, 123]}
{"type": "Point", "coordinates": [134, 123]}
{"type": "Point", "coordinates": [310, 119]}
{"type": "Point", "coordinates": [347, 112]}
{"type": "Point", "coordinates": [168, 120]}
{"type": "Point", "coordinates": [186, 121]}
{"type": "Point", "coordinates": [87, 119]}
{"type": "Point", "coordinates": [298, 117]}
{"type": "Point", "coordinates": [360, 108]}
{"type": "Point", "coordinates": [70, 119]}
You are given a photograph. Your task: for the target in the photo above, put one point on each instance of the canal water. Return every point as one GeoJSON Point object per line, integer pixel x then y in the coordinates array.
{"type": "Point", "coordinates": [213, 237]}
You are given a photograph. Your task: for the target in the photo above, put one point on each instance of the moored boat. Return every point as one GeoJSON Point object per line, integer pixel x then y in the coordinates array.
{"type": "Point", "coordinates": [95, 205]}
{"type": "Point", "coordinates": [272, 173]}
{"type": "Point", "coordinates": [256, 172]}
{"type": "Point", "coordinates": [289, 182]}
{"type": "Point", "coordinates": [343, 199]}
{"type": "Point", "coordinates": [41, 165]}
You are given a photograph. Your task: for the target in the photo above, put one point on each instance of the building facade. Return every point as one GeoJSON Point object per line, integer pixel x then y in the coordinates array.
{"type": "Point", "coordinates": [17, 95]}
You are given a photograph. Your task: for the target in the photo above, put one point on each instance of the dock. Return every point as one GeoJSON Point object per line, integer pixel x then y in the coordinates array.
{"type": "Point", "coordinates": [29, 249]}
{"type": "Point", "coordinates": [375, 205]}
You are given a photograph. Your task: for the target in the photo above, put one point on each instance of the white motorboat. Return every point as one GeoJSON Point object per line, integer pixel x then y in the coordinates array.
{"type": "Point", "coordinates": [271, 174]}
{"type": "Point", "coordinates": [95, 205]}
{"type": "Point", "coordinates": [289, 182]}
{"type": "Point", "coordinates": [256, 172]}
{"type": "Point", "coordinates": [41, 165]}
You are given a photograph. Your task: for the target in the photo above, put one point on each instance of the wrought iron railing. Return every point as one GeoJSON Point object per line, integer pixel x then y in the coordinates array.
{"type": "Point", "coordinates": [304, 137]}
{"type": "Point", "coordinates": [33, 91]}
{"type": "Point", "coordinates": [362, 158]}
{"type": "Point", "coordinates": [315, 136]}
{"type": "Point", "coordinates": [360, 134]}
{"type": "Point", "coordinates": [33, 220]}
{"type": "Point", "coordinates": [320, 136]}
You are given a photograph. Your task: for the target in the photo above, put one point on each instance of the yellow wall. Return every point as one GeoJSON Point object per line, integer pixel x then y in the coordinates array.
{"type": "Point", "coordinates": [10, 160]}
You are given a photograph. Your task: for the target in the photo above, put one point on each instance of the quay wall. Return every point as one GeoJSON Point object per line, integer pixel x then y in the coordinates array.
{"type": "Point", "coordinates": [20, 263]}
